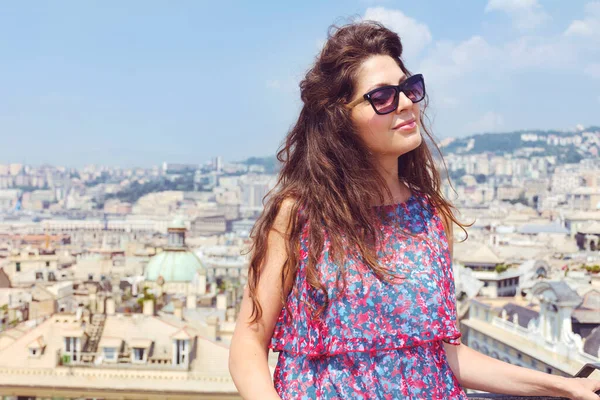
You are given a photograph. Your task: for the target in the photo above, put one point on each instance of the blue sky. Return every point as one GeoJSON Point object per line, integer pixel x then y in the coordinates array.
{"type": "Point", "coordinates": [135, 83]}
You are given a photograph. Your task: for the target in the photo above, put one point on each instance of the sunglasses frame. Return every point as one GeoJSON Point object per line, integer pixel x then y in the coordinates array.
{"type": "Point", "coordinates": [398, 88]}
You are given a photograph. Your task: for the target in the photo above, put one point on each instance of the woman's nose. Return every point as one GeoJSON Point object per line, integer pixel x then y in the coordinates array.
{"type": "Point", "coordinates": [404, 103]}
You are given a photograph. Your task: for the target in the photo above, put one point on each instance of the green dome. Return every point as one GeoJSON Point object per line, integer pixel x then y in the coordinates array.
{"type": "Point", "coordinates": [174, 266]}
{"type": "Point", "coordinates": [177, 224]}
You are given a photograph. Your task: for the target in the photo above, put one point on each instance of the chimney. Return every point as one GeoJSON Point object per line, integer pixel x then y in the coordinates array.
{"type": "Point", "coordinates": [221, 302]}
{"type": "Point", "coordinates": [212, 288]}
{"type": "Point", "coordinates": [110, 306]}
{"type": "Point", "coordinates": [230, 313]}
{"type": "Point", "coordinates": [178, 308]}
{"type": "Point", "coordinates": [200, 286]}
{"type": "Point", "coordinates": [92, 300]}
{"type": "Point", "coordinates": [191, 302]}
{"type": "Point", "coordinates": [212, 329]}
{"type": "Point", "coordinates": [100, 303]}
{"type": "Point", "coordinates": [148, 307]}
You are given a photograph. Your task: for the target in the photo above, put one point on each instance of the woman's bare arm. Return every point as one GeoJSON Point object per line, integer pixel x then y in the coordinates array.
{"type": "Point", "coordinates": [249, 346]}
{"type": "Point", "coordinates": [478, 371]}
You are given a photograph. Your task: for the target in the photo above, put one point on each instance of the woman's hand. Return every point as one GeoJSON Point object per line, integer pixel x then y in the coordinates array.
{"type": "Point", "coordinates": [583, 388]}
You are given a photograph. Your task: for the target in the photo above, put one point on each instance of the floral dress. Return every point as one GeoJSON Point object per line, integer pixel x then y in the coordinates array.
{"type": "Point", "coordinates": [376, 339]}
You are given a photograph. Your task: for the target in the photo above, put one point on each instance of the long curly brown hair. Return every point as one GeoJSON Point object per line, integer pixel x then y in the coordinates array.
{"type": "Point", "coordinates": [328, 171]}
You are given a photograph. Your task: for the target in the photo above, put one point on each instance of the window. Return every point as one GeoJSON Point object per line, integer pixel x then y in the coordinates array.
{"type": "Point", "coordinates": [181, 352]}
{"type": "Point", "coordinates": [33, 352]}
{"type": "Point", "coordinates": [71, 347]}
{"type": "Point", "coordinates": [519, 356]}
{"type": "Point", "coordinates": [18, 265]}
{"type": "Point", "coordinates": [110, 353]}
{"type": "Point", "coordinates": [138, 354]}
{"type": "Point", "coordinates": [39, 276]}
{"type": "Point", "coordinates": [548, 370]}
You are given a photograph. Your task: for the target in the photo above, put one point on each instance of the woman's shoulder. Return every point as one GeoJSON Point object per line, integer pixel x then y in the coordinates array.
{"type": "Point", "coordinates": [285, 213]}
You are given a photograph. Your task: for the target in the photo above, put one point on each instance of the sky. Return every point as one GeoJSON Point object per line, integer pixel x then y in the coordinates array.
{"type": "Point", "coordinates": [140, 82]}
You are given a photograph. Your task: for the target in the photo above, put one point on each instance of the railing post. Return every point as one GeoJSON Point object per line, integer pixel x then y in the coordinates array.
{"type": "Point", "coordinates": [587, 370]}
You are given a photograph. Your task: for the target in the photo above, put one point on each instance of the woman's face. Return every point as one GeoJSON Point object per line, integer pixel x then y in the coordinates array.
{"type": "Point", "coordinates": [393, 134]}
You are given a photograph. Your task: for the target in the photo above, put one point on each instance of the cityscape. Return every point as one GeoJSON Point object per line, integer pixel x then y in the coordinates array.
{"type": "Point", "coordinates": [127, 282]}
{"type": "Point", "coordinates": [139, 144]}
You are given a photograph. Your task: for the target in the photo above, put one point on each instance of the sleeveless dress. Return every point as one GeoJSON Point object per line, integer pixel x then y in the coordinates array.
{"type": "Point", "coordinates": [376, 339]}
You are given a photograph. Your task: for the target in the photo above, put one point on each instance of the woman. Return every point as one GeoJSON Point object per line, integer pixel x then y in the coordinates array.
{"type": "Point", "coordinates": [350, 277]}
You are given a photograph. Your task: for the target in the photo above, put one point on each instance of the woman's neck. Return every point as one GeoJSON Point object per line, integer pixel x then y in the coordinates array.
{"type": "Point", "coordinates": [388, 169]}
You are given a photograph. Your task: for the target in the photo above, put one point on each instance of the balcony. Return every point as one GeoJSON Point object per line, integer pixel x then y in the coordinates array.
{"type": "Point", "coordinates": [123, 361]}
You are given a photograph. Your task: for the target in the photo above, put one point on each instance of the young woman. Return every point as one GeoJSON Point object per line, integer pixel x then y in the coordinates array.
{"type": "Point", "coordinates": [350, 278]}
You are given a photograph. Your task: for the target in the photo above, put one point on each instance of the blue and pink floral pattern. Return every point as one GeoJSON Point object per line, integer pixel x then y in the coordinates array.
{"type": "Point", "coordinates": [376, 339]}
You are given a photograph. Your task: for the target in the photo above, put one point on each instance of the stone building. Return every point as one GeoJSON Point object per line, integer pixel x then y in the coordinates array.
{"type": "Point", "coordinates": [112, 355]}
{"type": "Point", "coordinates": [538, 332]}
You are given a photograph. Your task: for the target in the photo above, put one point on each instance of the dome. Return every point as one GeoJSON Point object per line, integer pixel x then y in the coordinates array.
{"type": "Point", "coordinates": [174, 266]}
{"type": "Point", "coordinates": [177, 223]}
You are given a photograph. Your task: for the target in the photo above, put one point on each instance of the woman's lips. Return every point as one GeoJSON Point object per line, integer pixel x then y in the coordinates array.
{"type": "Point", "coordinates": [406, 125]}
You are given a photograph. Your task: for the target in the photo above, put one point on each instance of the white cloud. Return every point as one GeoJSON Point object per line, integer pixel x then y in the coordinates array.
{"type": "Point", "coordinates": [540, 52]}
{"type": "Point", "coordinates": [458, 73]}
{"type": "Point", "coordinates": [593, 9]}
{"type": "Point", "coordinates": [593, 70]}
{"type": "Point", "coordinates": [579, 28]}
{"type": "Point", "coordinates": [415, 35]}
{"type": "Point", "coordinates": [448, 61]}
{"type": "Point", "coordinates": [488, 122]}
{"type": "Point", "coordinates": [526, 14]}
{"type": "Point", "coordinates": [589, 26]}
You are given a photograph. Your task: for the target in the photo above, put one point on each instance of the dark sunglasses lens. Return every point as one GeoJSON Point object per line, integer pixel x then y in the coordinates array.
{"type": "Point", "coordinates": [384, 100]}
{"type": "Point", "coordinates": [414, 90]}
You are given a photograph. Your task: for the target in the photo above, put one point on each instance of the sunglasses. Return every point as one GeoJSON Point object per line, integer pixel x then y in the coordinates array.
{"type": "Point", "coordinates": [384, 100]}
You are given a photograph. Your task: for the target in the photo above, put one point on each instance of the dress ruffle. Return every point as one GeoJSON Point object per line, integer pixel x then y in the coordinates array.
{"type": "Point", "coordinates": [372, 315]}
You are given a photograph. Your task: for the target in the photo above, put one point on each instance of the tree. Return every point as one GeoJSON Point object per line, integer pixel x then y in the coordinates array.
{"type": "Point", "coordinates": [147, 296]}
{"type": "Point", "coordinates": [501, 268]}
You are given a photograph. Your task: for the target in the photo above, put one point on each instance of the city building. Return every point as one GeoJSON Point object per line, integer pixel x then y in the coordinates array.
{"type": "Point", "coordinates": [536, 332]}
{"type": "Point", "coordinates": [176, 270]}
{"type": "Point", "coordinates": [107, 355]}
